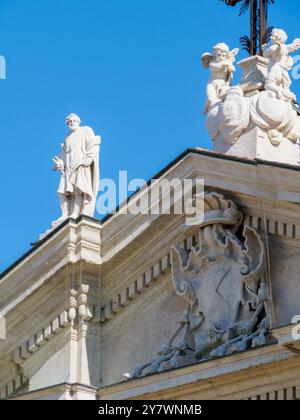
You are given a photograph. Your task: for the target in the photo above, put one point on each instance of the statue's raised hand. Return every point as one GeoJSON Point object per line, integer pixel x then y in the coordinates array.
{"type": "Point", "coordinates": [58, 164]}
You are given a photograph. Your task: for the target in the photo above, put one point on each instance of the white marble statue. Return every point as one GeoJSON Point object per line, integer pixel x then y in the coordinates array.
{"type": "Point", "coordinates": [220, 64]}
{"type": "Point", "coordinates": [280, 62]}
{"type": "Point", "coordinates": [79, 166]}
{"type": "Point", "coordinates": [275, 109]}
{"type": "Point", "coordinates": [270, 107]}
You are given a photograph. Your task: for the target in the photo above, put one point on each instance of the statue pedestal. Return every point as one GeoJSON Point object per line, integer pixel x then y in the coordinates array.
{"type": "Point", "coordinates": [255, 70]}
{"type": "Point", "coordinates": [255, 143]}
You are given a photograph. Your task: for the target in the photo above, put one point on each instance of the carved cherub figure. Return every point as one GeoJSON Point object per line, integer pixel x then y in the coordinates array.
{"type": "Point", "coordinates": [278, 81]}
{"type": "Point", "coordinates": [220, 64]}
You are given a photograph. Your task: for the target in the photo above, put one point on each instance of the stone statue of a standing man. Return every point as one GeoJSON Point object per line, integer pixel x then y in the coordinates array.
{"type": "Point", "coordinates": [79, 166]}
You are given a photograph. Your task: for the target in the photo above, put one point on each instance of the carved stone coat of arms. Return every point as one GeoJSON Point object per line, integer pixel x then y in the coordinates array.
{"type": "Point", "coordinates": [222, 281]}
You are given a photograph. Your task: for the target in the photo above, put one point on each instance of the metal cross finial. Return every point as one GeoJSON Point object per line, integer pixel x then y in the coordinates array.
{"type": "Point", "coordinates": [259, 30]}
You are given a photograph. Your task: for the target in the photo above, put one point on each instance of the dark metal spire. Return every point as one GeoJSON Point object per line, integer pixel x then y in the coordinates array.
{"type": "Point", "coordinates": [259, 30]}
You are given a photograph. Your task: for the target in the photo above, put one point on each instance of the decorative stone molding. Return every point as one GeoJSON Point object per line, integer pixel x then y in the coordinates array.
{"type": "Point", "coordinates": [12, 378]}
{"type": "Point", "coordinates": [78, 310]}
{"type": "Point", "coordinates": [62, 392]}
{"type": "Point", "coordinates": [285, 394]}
{"type": "Point", "coordinates": [135, 289]}
{"type": "Point", "coordinates": [14, 387]}
{"type": "Point", "coordinates": [36, 341]}
{"type": "Point", "coordinates": [274, 227]}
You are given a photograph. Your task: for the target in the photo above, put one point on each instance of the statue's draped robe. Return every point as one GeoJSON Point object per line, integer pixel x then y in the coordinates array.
{"type": "Point", "coordinates": [77, 149]}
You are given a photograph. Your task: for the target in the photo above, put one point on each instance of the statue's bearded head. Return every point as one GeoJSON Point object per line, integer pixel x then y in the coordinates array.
{"type": "Point", "coordinates": [73, 121]}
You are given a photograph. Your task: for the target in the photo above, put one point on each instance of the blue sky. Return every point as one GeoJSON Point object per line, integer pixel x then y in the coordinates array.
{"type": "Point", "coordinates": [130, 69]}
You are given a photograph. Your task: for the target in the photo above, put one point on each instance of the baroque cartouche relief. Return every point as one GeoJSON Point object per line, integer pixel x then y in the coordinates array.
{"type": "Point", "coordinates": [223, 284]}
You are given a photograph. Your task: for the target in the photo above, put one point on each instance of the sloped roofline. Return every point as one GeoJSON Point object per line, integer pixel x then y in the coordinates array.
{"type": "Point", "coordinates": [160, 174]}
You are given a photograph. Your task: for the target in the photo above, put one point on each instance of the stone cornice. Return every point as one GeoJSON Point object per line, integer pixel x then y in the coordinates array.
{"type": "Point", "coordinates": [13, 387]}
{"type": "Point", "coordinates": [71, 236]}
{"type": "Point", "coordinates": [65, 391]}
{"type": "Point", "coordinates": [274, 227]}
{"type": "Point", "coordinates": [238, 376]}
{"type": "Point", "coordinates": [36, 341]}
{"type": "Point", "coordinates": [265, 373]}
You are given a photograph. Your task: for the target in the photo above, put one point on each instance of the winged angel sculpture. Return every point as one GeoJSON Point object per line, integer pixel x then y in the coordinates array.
{"type": "Point", "coordinates": [223, 284]}
{"type": "Point", "coordinates": [220, 64]}
{"type": "Point", "coordinates": [271, 105]}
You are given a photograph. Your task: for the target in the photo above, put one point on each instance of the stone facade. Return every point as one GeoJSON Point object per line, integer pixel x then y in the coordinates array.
{"type": "Point", "coordinates": [94, 300]}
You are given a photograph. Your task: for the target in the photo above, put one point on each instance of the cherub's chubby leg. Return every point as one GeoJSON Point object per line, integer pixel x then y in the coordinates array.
{"type": "Point", "coordinates": [275, 137]}
{"type": "Point", "coordinates": [78, 203]}
{"type": "Point", "coordinates": [212, 93]}
{"type": "Point", "coordinates": [212, 96]}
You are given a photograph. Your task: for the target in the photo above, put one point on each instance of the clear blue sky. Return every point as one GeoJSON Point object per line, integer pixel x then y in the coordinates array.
{"type": "Point", "coordinates": [130, 69]}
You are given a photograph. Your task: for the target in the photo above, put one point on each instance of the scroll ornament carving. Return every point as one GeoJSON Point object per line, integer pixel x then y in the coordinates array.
{"type": "Point", "coordinates": [223, 284]}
